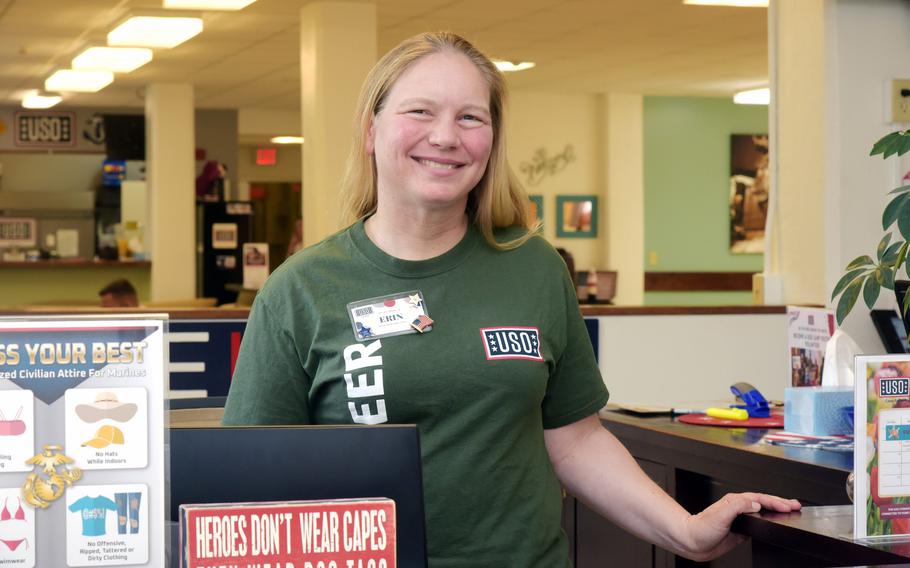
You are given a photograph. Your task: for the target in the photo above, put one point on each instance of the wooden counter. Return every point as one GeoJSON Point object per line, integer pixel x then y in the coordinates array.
{"type": "Point", "coordinates": [609, 310]}
{"type": "Point", "coordinates": [76, 263]}
{"type": "Point", "coordinates": [815, 536]}
{"type": "Point", "coordinates": [698, 465]}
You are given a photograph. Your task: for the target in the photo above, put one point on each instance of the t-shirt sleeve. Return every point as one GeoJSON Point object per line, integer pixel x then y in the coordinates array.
{"type": "Point", "coordinates": [269, 385]}
{"type": "Point", "coordinates": [576, 389]}
{"type": "Point", "coordinates": [78, 505]}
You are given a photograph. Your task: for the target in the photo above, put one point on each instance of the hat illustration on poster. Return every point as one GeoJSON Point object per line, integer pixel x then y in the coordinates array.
{"type": "Point", "coordinates": [106, 405]}
{"type": "Point", "coordinates": [105, 436]}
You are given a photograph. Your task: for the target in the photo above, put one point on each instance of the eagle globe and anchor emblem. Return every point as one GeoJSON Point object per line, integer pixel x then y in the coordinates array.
{"type": "Point", "coordinates": [40, 491]}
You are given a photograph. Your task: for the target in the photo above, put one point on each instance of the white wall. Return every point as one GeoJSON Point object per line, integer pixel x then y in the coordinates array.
{"type": "Point", "coordinates": [287, 166]}
{"type": "Point", "coordinates": [872, 47]}
{"type": "Point", "coordinates": [50, 171]}
{"type": "Point", "coordinates": [668, 359]}
{"type": "Point", "coordinates": [833, 60]}
{"type": "Point", "coordinates": [551, 121]}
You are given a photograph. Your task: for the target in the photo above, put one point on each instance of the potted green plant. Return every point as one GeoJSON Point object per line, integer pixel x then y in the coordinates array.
{"type": "Point", "coordinates": [867, 275]}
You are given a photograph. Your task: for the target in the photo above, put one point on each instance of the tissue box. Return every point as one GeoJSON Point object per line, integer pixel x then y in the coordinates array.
{"type": "Point", "coordinates": [816, 411]}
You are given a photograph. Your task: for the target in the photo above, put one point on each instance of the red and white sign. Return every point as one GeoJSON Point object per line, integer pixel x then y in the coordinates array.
{"type": "Point", "coordinates": [303, 534]}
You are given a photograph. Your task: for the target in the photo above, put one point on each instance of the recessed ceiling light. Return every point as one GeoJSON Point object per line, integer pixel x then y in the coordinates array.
{"type": "Point", "coordinates": [735, 3]}
{"type": "Point", "coordinates": [154, 31]}
{"type": "Point", "coordinates": [753, 97]}
{"type": "Point", "coordinates": [116, 59]}
{"type": "Point", "coordinates": [207, 4]}
{"type": "Point", "coordinates": [68, 80]}
{"type": "Point", "coordinates": [510, 66]}
{"type": "Point", "coordinates": [287, 140]}
{"type": "Point", "coordinates": [37, 100]}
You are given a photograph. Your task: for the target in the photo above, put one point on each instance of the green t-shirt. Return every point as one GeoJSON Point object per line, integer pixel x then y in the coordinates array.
{"type": "Point", "coordinates": [508, 355]}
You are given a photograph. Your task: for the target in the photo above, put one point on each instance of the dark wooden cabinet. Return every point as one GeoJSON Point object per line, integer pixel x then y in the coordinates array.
{"type": "Point", "coordinates": [698, 465]}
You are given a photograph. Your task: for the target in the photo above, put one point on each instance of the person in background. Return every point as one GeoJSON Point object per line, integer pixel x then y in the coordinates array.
{"type": "Point", "coordinates": [119, 294]}
{"type": "Point", "coordinates": [569, 260]}
{"type": "Point", "coordinates": [442, 306]}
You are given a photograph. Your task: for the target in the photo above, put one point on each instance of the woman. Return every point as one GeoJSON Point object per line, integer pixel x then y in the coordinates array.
{"type": "Point", "coordinates": [439, 306]}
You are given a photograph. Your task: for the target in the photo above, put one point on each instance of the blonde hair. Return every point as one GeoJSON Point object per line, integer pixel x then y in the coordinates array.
{"type": "Point", "coordinates": [498, 199]}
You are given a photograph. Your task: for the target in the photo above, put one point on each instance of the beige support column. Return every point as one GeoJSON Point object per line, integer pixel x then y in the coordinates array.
{"type": "Point", "coordinates": [795, 254]}
{"type": "Point", "coordinates": [625, 196]}
{"type": "Point", "coordinates": [170, 169]}
{"type": "Point", "coordinates": [337, 49]}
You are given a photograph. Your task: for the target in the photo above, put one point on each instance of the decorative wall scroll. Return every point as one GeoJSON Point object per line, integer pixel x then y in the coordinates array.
{"type": "Point", "coordinates": [541, 165]}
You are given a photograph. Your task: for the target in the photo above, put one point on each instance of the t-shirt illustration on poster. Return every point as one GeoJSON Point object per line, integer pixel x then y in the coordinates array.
{"type": "Point", "coordinates": [82, 441]}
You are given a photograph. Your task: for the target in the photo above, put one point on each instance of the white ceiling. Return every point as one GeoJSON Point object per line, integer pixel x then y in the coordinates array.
{"type": "Point", "coordinates": [250, 59]}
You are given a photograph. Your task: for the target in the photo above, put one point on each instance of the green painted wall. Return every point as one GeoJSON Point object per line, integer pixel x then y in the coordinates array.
{"type": "Point", "coordinates": [686, 179]}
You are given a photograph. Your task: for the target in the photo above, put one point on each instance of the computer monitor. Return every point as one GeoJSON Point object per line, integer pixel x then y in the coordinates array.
{"type": "Point", "coordinates": [244, 464]}
{"type": "Point", "coordinates": [891, 330]}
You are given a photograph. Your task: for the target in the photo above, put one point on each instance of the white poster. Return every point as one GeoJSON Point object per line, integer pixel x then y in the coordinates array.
{"type": "Point", "coordinates": [82, 422]}
{"type": "Point", "coordinates": [255, 265]}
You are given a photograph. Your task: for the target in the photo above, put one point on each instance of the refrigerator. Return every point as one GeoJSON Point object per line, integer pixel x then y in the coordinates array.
{"type": "Point", "coordinates": [221, 230]}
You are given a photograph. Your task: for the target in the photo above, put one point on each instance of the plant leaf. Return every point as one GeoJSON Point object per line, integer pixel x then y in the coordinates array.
{"type": "Point", "coordinates": [906, 305]}
{"type": "Point", "coordinates": [871, 290]}
{"type": "Point", "coordinates": [899, 145]}
{"type": "Point", "coordinates": [891, 148]}
{"type": "Point", "coordinates": [888, 278]}
{"type": "Point", "coordinates": [848, 299]}
{"type": "Point", "coordinates": [893, 210]}
{"type": "Point", "coordinates": [903, 222]}
{"type": "Point", "coordinates": [900, 189]}
{"type": "Point", "coordinates": [847, 279]}
{"type": "Point", "coordinates": [883, 246]}
{"type": "Point", "coordinates": [864, 260]}
{"type": "Point", "coordinates": [883, 143]}
{"type": "Point", "coordinates": [891, 254]}
{"type": "Point", "coordinates": [901, 256]}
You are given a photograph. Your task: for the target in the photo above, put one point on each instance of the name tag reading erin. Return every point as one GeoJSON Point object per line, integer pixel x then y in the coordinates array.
{"type": "Point", "coordinates": [396, 314]}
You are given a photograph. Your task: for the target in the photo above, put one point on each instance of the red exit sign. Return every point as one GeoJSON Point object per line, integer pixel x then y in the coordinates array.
{"type": "Point", "coordinates": [266, 156]}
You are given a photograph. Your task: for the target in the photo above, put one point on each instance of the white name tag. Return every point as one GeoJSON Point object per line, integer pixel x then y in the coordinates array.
{"type": "Point", "coordinates": [384, 316]}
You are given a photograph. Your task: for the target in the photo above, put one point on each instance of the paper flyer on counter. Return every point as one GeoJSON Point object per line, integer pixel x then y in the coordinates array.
{"type": "Point", "coordinates": [82, 416]}
{"type": "Point", "coordinates": [881, 457]}
{"type": "Point", "coordinates": [808, 332]}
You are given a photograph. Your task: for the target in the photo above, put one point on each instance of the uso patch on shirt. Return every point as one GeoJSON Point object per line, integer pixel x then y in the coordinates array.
{"type": "Point", "coordinates": [511, 343]}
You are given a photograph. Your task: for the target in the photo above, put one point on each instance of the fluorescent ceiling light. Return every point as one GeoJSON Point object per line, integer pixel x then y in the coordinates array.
{"type": "Point", "coordinates": [509, 66]}
{"type": "Point", "coordinates": [753, 97]}
{"type": "Point", "coordinates": [68, 80]}
{"type": "Point", "coordinates": [115, 59]}
{"type": "Point", "coordinates": [37, 100]}
{"type": "Point", "coordinates": [207, 4]}
{"type": "Point", "coordinates": [154, 31]}
{"type": "Point", "coordinates": [287, 140]}
{"type": "Point", "coordinates": [736, 3]}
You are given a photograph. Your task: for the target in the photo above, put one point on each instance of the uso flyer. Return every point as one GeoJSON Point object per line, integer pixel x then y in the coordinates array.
{"type": "Point", "coordinates": [339, 533]}
{"type": "Point", "coordinates": [82, 412]}
{"type": "Point", "coordinates": [881, 504]}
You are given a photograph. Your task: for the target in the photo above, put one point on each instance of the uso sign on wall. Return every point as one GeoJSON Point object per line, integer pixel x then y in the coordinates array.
{"type": "Point", "coordinates": [44, 129]}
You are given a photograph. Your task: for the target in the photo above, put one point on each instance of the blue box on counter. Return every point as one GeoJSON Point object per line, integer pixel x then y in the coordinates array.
{"type": "Point", "coordinates": [818, 411]}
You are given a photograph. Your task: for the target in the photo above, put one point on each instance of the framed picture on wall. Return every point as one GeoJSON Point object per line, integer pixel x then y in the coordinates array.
{"type": "Point", "coordinates": [576, 216]}
{"type": "Point", "coordinates": [749, 188]}
{"type": "Point", "coordinates": [535, 202]}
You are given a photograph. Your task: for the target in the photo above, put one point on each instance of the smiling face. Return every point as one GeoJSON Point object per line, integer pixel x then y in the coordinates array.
{"type": "Point", "coordinates": [432, 138]}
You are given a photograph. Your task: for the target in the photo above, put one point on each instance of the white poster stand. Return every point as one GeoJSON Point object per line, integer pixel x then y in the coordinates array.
{"type": "Point", "coordinates": [82, 439]}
